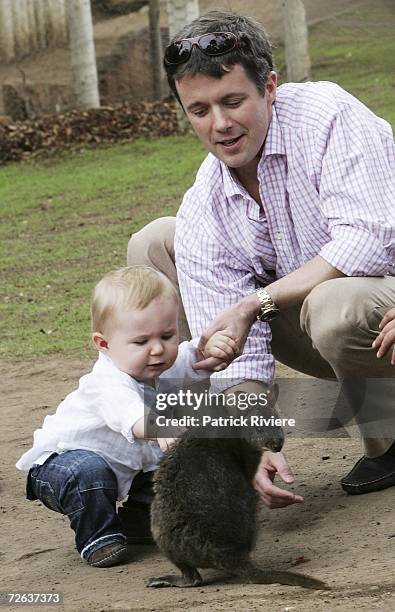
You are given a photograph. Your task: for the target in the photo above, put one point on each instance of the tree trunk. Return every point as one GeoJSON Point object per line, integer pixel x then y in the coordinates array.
{"type": "Point", "coordinates": [40, 17]}
{"type": "Point", "coordinates": [83, 58]}
{"type": "Point", "coordinates": [296, 41]}
{"type": "Point", "coordinates": [21, 28]}
{"type": "Point", "coordinates": [56, 15]}
{"type": "Point", "coordinates": [180, 13]}
{"type": "Point", "coordinates": [156, 49]}
{"type": "Point", "coordinates": [7, 48]}
{"type": "Point", "coordinates": [31, 25]}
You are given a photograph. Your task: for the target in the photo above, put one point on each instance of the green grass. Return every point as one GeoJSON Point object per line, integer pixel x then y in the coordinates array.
{"type": "Point", "coordinates": [357, 51]}
{"type": "Point", "coordinates": [66, 221]}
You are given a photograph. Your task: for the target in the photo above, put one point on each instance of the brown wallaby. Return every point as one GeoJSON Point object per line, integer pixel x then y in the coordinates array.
{"type": "Point", "coordinates": [204, 511]}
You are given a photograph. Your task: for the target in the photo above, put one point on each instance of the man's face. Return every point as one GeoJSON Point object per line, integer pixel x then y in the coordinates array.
{"type": "Point", "coordinates": [229, 115]}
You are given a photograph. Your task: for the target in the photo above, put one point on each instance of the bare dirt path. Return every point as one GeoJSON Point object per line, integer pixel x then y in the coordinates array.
{"type": "Point", "coordinates": [346, 541]}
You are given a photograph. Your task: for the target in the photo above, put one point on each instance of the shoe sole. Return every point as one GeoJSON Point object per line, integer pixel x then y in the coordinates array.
{"type": "Point", "coordinates": [369, 487]}
{"type": "Point", "coordinates": [113, 559]}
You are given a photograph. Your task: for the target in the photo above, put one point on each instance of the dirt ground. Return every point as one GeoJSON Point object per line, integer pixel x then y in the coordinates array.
{"type": "Point", "coordinates": [346, 541]}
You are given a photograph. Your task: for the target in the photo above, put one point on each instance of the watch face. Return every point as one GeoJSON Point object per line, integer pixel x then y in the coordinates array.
{"type": "Point", "coordinates": [269, 316]}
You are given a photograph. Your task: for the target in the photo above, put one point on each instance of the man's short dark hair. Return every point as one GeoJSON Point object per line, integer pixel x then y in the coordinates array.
{"type": "Point", "coordinates": [254, 53]}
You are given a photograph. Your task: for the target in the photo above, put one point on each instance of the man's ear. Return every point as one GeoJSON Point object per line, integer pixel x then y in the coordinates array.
{"type": "Point", "coordinates": [271, 86]}
{"type": "Point", "coordinates": [100, 341]}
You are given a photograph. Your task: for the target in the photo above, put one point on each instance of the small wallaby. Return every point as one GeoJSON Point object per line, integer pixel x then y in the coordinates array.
{"type": "Point", "coordinates": [204, 511]}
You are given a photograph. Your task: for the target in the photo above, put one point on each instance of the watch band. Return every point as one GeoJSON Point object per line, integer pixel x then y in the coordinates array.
{"type": "Point", "coordinates": [269, 310]}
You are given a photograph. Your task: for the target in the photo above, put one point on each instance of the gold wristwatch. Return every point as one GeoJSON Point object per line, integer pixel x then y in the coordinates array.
{"type": "Point", "coordinates": [269, 310]}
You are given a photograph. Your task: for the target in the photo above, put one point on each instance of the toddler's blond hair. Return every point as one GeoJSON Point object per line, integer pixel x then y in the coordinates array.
{"type": "Point", "coordinates": [132, 287]}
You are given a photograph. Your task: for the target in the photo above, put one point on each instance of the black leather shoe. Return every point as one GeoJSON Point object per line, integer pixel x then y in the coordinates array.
{"type": "Point", "coordinates": [136, 522]}
{"type": "Point", "coordinates": [370, 475]}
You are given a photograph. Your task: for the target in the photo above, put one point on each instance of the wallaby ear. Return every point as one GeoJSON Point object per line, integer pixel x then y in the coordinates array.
{"type": "Point", "coordinates": [100, 341]}
{"type": "Point", "coordinates": [274, 393]}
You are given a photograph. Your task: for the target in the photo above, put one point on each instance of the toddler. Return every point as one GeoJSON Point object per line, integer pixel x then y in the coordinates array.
{"type": "Point", "coordinates": [92, 451]}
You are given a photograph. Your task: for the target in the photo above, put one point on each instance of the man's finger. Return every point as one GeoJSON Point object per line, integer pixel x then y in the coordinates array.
{"type": "Point", "coordinates": [280, 463]}
{"type": "Point", "coordinates": [389, 316]}
{"type": "Point", "coordinates": [226, 348]}
{"type": "Point", "coordinates": [387, 328]}
{"type": "Point", "coordinates": [274, 497]}
{"type": "Point", "coordinates": [377, 341]}
{"type": "Point", "coordinates": [221, 352]}
{"type": "Point", "coordinates": [387, 342]}
{"type": "Point", "coordinates": [202, 341]}
{"type": "Point", "coordinates": [206, 335]}
{"type": "Point", "coordinates": [274, 504]}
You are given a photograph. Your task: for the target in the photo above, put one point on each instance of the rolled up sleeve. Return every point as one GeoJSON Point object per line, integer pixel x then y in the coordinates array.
{"type": "Point", "coordinates": [357, 195]}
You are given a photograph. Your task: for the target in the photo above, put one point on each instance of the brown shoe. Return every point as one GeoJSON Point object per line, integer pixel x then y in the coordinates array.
{"type": "Point", "coordinates": [106, 556]}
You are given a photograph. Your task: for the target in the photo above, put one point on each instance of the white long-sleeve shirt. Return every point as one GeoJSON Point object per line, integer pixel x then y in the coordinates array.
{"type": "Point", "coordinates": [100, 414]}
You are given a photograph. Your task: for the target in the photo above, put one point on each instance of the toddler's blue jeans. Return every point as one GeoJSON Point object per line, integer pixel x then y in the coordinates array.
{"type": "Point", "coordinates": [81, 485]}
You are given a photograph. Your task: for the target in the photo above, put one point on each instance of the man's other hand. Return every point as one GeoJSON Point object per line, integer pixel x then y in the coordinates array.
{"type": "Point", "coordinates": [272, 496]}
{"type": "Point", "coordinates": [386, 338]}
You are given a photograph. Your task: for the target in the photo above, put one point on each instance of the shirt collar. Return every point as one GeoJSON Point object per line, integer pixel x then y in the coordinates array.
{"type": "Point", "coordinates": [274, 145]}
{"type": "Point", "coordinates": [231, 186]}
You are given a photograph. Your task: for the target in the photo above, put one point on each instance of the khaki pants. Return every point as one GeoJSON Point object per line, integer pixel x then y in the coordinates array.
{"type": "Point", "coordinates": [329, 336]}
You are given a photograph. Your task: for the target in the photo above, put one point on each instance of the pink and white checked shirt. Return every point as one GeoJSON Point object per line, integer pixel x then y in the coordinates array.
{"type": "Point", "coordinates": [327, 185]}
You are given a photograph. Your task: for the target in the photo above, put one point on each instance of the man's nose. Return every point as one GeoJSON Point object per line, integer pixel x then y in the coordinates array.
{"type": "Point", "coordinates": [222, 120]}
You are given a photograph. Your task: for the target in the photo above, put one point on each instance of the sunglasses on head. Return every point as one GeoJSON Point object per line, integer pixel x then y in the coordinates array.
{"type": "Point", "coordinates": [215, 43]}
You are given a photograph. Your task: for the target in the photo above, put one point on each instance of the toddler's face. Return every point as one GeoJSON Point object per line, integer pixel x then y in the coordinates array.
{"type": "Point", "coordinates": [144, 343]}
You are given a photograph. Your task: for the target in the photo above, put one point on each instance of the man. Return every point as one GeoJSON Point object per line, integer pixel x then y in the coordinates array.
{"type": "Point", "coordinates": [291, 220]}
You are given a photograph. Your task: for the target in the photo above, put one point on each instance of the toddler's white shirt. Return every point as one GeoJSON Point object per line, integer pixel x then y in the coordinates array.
{"type": "Point", "coordinates": [100, 414]}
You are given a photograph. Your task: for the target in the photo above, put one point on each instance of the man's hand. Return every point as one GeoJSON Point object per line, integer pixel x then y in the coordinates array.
{"type": "Point", "coordinates": [218, 352]}
{"type": "Point", "coordinates": [272, 496]}
{"type": "Point", "coordinates": [386, 337]}
{"type": "Point", "coordinates": [236, 321]}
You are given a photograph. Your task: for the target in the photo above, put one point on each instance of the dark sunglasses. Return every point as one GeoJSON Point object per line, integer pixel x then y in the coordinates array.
{"type": "Point", "coordinates": [215, 43]}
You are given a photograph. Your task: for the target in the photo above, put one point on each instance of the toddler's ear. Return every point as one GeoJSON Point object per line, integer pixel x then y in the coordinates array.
{"type": "Point", "coordinates": [99, 341]}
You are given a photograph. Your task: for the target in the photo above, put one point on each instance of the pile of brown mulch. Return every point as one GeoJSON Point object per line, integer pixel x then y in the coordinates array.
{"type": "Point", "coordinates": [109, 124]}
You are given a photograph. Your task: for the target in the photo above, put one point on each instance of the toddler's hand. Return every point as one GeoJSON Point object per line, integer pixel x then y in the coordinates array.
{"type": "Point", "coordinates": [218, 352]}
{"type": "Point", "coordinates": [165, 443]}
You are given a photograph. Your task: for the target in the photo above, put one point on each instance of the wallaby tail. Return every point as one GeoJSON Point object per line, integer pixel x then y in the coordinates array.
{"type": "Point", "coordinates": [249, 572]}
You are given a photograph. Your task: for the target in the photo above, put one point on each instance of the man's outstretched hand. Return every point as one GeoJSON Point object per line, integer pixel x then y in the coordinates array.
{"type": "Point", "coordinates": [272, 496]}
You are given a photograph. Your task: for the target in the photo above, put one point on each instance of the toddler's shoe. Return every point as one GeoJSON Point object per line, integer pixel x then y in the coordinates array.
{"type": "Point", "coordinates": [136, 522]}
{"type": "Point", "coordinates": [109, 555]}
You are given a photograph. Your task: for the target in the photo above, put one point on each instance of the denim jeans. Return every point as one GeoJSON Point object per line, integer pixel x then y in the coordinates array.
{"type": "Point", "coordinates": [81, 485]}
